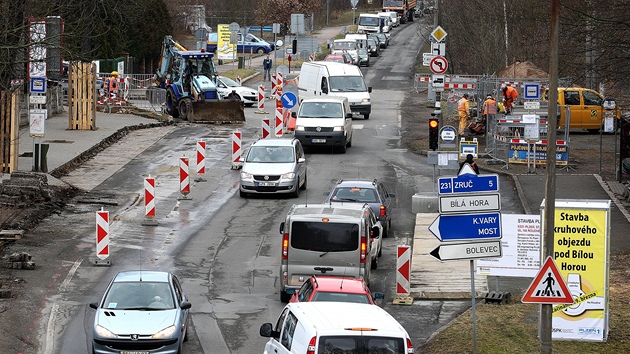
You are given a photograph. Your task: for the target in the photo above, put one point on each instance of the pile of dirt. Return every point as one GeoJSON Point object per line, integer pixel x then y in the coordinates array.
{"type": "Point", "coordinates": [522, 70]}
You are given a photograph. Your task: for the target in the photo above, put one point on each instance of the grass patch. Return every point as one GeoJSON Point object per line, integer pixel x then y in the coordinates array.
{"type": "Point", "coordinates": [513, 328]}
{"type": "Point", "coordinates": [243, 73]}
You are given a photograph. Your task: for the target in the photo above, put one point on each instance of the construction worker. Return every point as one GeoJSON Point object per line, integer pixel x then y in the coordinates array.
{"type": "Point", "coordinates": [489, 107]}
{"type": "Point", "coordinates": [111, 84]}
{"type": "Point", "coordinates": [509, 97]}
{"type": "Point", "coordinates": [462, 110]}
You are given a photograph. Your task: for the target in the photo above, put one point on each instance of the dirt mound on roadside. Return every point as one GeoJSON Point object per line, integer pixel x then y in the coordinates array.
{"type": "Point", "coordinates": [525, 69]}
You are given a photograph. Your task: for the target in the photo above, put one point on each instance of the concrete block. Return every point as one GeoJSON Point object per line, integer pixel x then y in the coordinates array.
{"type": "Point", "coordinates": [424, 203]}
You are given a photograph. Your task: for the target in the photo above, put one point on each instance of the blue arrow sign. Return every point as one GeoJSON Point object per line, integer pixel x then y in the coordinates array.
{"type": "Point", "coordinates": [462, 227]}
{"type": "Point", "coordinates": [468, 183]}
{"type": "Point", "coordinates": [288, 99]}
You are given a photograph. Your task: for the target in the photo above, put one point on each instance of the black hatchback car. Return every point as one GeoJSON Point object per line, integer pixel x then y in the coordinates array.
{"type": "Point", "coordinates": [372, 192]}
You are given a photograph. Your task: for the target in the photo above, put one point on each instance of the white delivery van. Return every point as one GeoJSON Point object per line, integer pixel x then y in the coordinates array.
{"type": "Point", "coordinates": [335, 327]}
{"type": "Point", "coordinates": [324, 121]}
{"type": "Point", "coordinates": [369, 23]}
{"type": "Point", "coordinates": [341, 46]}
{"type": "Point", "coordinates": [325, 239]}
{"type": "Point", "coordinates": [321, 78]}
{"type": "Point", "coordinates": [394, 16]}
{"type": "Point", "coordinates": [361, 39]}
{"type": "Point", "coordinates": [386, 22]}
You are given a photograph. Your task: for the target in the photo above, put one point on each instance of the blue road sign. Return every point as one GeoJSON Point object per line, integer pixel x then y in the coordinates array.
{"type": "Point", "coordinates": [469, 183]}
{"type": "Point", "coordinates": [288, 99]}
{"type": "Point", "coordinates": [531, 91]}
{"type": "Point", "coordinates": [466, 227]}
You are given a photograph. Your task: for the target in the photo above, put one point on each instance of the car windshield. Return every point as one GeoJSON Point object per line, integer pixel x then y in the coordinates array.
{"type": "Point", "coordinates": [229, 82]}
{"type": "Point", "coordinates": [347, 84]}
{"type": "Point", "coordinates": [335, 59]}
{"type": "Point", "coordinates": [139, 296]}
{"type": "Point", "coordinates": [369, 21]}
{"type": "Point", "coordinates": [320, 110]}
{"type": "Point", "coordinates": [341, 297]}
{"type": "Point", "coordinates": [354, 194]}
{"type": "Point", "coordinates": [270, 154]}
{"type": "Point", "coordinates": [348, 45]}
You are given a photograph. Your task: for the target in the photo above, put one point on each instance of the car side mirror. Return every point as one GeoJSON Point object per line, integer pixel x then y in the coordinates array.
{"type": "Point", "coordinates": [325, 90]}
{"type": "Point", "coordinates": [185, 305]}
{"type": "Point", "coordinates": [349, 115]}
{"type": "Point", "coordinates": [370, 89]}
{"type": "Point", "coordinates": [293, 114]}
{"type": "Point", "coordinates": [266, 330]}
{"type": "Point", "coordinates": [94, 305]}
{"type": "Point", "coordinates": [391, 195]}
{"type": "Point", "coordinates": [301, 160]}
{"type": "Point", "coordinates": [282, 228]}
{"type": "Point", "coordinates": [326, 194]}
{"type": "Point", "coordinates": [376, 232]}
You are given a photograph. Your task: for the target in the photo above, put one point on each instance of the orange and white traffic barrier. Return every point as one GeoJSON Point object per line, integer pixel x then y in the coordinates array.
{"type": "Point", "coordinates": [261, 99]}
{"type": "Point", "coordinates": [201, 157]}
{"type": "Point", "coordinates": [403, 271]}
{"type": "Point", "coordinates": [265, 128]}
{"type": "Point", "coordinates": [236, 149]}
{"type": "Point", "coordinates": [279, 123]}
{"type": "Point", "coordinates": [102, 235]}
{"type": "Point", "coordinates": [149, 202]}
{"type": "Point", "coordinates": [274, 85]}
{"type": "Point", "coordinates": [184, 178]}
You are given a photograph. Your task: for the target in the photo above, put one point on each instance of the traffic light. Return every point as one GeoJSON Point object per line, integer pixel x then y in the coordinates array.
{"type": "Point", "coordinates": [434, 127]}
{"type": "Point", "coordinates": [294, 46]}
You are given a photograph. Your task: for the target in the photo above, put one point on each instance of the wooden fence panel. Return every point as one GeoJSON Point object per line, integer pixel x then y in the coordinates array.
{"type": "Point", "coordinates": [82, 96]}
{"type": "Point", "coordinates": [9, 130]}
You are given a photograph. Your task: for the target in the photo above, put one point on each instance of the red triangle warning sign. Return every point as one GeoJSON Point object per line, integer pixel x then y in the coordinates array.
{"type": "Point", "coordinates": [548, 286]}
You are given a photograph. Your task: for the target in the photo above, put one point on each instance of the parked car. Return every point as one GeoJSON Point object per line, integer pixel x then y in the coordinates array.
{"type": "Point", "coordinates": [372, 192]}
{"type": "Point", "coordinates": [384, 40]}
{"type": "Point", "coordinates": [141, 312]}
{"type": "Point", "coordinates": [377, 39]}
{"type": "Point", "coordinates": [335, 288]}
{"type": "Point", "coordinates": [229, 88]}
{"type": "Point", "coordinates": [349, 58]}
{"type": "Point", "coordinates": [373, 47]}
{"type": "Point", "coordinates": [364, 57]}
{"type": "Point", "coordinates": [274, 166]}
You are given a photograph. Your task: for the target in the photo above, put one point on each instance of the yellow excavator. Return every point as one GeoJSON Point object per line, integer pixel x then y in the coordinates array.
{"type": "Point", "coordinates": [190, 80]}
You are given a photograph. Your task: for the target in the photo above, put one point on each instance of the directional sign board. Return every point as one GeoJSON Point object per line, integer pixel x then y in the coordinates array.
{"type": "Point", "coordinates": [459, 251]}
{"type": "Point", "coordinates": [468, 183]}
{"type": "Point", "coordinates": [470, 203]}
{"type": "Point", "coordinates": [288, 99]}
{"type": "Point", "coordinates": [467, 227]}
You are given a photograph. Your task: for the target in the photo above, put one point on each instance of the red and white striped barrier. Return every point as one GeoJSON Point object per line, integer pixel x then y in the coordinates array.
{"type": "Point", "coordinates": [311, 58]}
{"type": "Point", "coordinates": [424, 78]}
{"type": "Point", "coordinates": [184, 178]}
{"type": "Point", "coordinates": [149, 202]}
{"type": "Point", "coordinates": [279, 83]}
{"type": "Point", "coordinates": [403, 271]}
{"type": "Point", "coordinates": [201, 157]}
{"type": "Point", "coordinates": [236, 149]}
{"type": "Point", "coordinates": [274, 85]}
{"type": "Point", "coordinates": [279, 126]}
{"type": "Point", "coordinates": [511, 83]}
{"type": "Point", "coordinates": [261, 98]}
{"type": "Point", "coordinates": [102, 234]}
{"type": "Point", "coordinates": [266, 129]}
{"type": "Point", "coordinates": [459, 86]}
{"type": "Point", "coordinates": [500, 138]}
{"type": "Point", "coordinates": [543, 141]}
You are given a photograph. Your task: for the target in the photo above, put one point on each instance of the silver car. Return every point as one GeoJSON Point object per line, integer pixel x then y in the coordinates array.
{"type": "Point", "coordinates": [141, 312]}
{"type": "Point", "coordinates": [274, 166]}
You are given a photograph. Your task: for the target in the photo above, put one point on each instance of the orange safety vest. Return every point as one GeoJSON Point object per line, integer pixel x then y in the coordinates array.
{"type": "Point", "coordinates": [113, 84]}
{"type": "Point", "coordinates": [490, 106]}
{"type": "Point", "coordinates": [511, 93]}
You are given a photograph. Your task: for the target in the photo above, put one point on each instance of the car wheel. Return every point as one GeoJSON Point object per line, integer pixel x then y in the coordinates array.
{"type": "Point", "coordinates": [349, 143]}
{"type": "Point", "coordinates": [374, 263]}
{"type": "Point", "coordinates": [249, 104]}
{"type": "Point", "coordinates": [385, 230]}
{"type": "Point", "coordinates": [380, 251]}
{"type": "Point", "coordinates": [303, 187]}
{"type": "Point", "coordinates": [284, 297]}
{"type": "Point", "coordinates": [185, 108]}
{"type": "Point", "coordinates": [261, 51]}
{"type": "Point", "coordinates": [296, 193]}
{"type": "Point", "coordinates": [171, 103]}
{"type": "Point", "coordinates": [343, 148]}
{"type": "Point", "coordinates": [234, 97]}
{"type": "Point", "coordinates": [242, 194]}
{"type": "Point", "coordinates": [366, 116]}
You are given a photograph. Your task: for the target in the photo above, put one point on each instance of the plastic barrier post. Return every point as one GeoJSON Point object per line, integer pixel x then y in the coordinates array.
{"type": "Point", "coordinates": [236, 150]}
{"type": "Point", "coordinates": [184, 179]}
{"type": "Point", "coordinates": [265, 128]}
{"type": "Point", "coordinates": [102, 238]}
{"type": "Point", "coordinates": [261, 99]}
{"type": "Point", "coordinates": [201, 161]}
{"type": "Point", "coordinates": [279, 125]}
{"type": "Point", "coordinates": [403, 271]}
{"type": "Point", "coordinates": [149, 202]}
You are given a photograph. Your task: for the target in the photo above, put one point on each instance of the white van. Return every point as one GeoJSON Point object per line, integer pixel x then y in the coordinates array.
{"type": "Point", "coordinates": [341, 46]}
{"type": "Point", "coordinates": [369, 23]}
{"type": "Point", "coordinates": [360, 38]}
{"type": "Point", "coordinates": [321, 78]}
{"type": "Point", "coordinates": [335, 327]}
{"type": "Point", "coordinates": [325, 239]}
{"type": "Point", "coordinates": [394, 17]}
{"type": "Point", "coordinates": [324, 121]}
{"type": "Point", "coordinates": [386, 22]}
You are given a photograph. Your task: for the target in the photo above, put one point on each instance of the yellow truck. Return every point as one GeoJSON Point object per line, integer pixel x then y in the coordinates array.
{"type": "Point", "coordinates": [586, 108]}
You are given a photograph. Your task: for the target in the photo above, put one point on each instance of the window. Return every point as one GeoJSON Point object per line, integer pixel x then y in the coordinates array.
{"type": "Point", "coordinates": [305, 291]}
{"type": "Point", "coordinates": [288, 329]}
{"type": "Point", "coordinates": [324, 237]}
{"type": "Point", "coordinates": [572, 98]}
{"type": "Point", "coordinates": [591, 99]}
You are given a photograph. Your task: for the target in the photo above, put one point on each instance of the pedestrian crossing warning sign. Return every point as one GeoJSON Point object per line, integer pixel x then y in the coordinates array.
{"type": "Point", "coordinates": [548, 287]}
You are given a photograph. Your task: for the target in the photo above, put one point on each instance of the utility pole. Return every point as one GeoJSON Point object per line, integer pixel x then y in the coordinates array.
{"type": "Point", "coordinates": [546, 311]}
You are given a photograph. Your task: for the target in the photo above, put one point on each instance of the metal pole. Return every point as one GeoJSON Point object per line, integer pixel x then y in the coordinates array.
{"type": "Point", "coordinates": [474, 312]}
{"type": "Point", "coordinates": [550, 186]}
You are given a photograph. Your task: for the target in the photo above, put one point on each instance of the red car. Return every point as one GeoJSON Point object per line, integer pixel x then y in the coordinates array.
{"type": "Point", "coordinates": [335, 288]}
{"type": "Point", "coordinates": [338, 58]}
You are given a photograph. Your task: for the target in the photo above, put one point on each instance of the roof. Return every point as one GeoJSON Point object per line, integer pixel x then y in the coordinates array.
{"type": "Point", "coordinates": [355, 183]}
{"type": "Point", "coordinates": [274, 142]}
{"type": "Point", "coordinates": [341, 284]}
{"type": "Point", "coordinates": [317, 211]}
{"type": "Point", "coordinates": [144, 275]}
{"type": "Point", "coordinates": [334, 316]}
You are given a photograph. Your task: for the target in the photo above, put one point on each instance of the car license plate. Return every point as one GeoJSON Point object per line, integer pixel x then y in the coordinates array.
{"type": "Point", "coordinates": [319, 141]}
{"type": "Point", "coordinates": [266, 184]}
{"type": "Point", "coordinates": [134, 352]}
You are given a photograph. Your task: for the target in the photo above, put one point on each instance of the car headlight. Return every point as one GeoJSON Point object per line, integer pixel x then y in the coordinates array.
{"type": "Point", "coordinates": [165, 333]}
{"type": "Point", "coordinates": [365, 100]}
{"type": "Point", "coordinates": [338, 129]}
{"type": "Point", "coordinates": [104, 332]}
{"type": "Point", "coordinates": [290, 175]}
{"type": "Point", "coordinates": [246, 175]}
{"type": "Point", "coordinates": [299, 127]}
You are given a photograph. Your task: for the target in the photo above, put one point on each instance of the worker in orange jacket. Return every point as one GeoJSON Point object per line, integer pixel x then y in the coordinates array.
{"type": "Point", "coordinates": [111, 84]}
{"type": "Point", "coordinates": [509, 97]}
{"type": "Point", "coordinates": [462, 111]}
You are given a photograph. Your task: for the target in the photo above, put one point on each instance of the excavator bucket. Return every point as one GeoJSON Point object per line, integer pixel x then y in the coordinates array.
{"type": "Point", "coordinates": [225, 111]}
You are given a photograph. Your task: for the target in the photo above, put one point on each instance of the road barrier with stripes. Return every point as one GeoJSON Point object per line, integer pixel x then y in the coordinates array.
{"type": "Point", "coordinates": [265, 128]}
{"type": "Point", "coordinates": [102, 234]}
{"type": "Point", "coordinates": [403, 274]}
{"type": "Point", "coordinates": [149, 202]}
{"type": "Point", "coordinates": [184, 179]}
{"type": "Point", "coordinates": [236, 150]}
